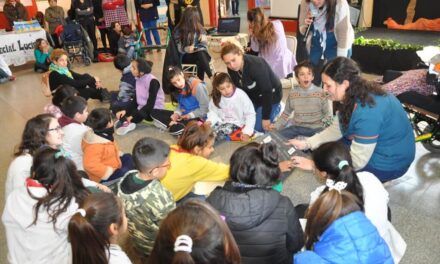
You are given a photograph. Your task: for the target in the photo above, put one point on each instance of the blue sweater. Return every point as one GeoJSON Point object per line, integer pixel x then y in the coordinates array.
{"type": "Point", "coordinates": [387, 125]}
{"type": "Point", "coordinates": [349, 239]}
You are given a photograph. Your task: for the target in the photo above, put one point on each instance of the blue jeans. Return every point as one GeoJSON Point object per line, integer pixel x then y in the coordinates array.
{"type": "Point", "coordinates": [276, 108]}
{"type": "Point", "coordinates": [150, 26]}
{"type": "Point", "coordinates": [294, 131]}
{"type": "Point", "coordinates": [127, 165]}
{"type": "Point", "coordinates": [385, 176]}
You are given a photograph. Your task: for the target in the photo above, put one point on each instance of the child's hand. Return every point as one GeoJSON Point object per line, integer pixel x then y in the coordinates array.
{"type": "Point", "coordinates": [286, 165]}
{"type": "Point", "coordinates": [103, 188]}
{"type": "Point", "coordinates": [189, 49]}
{"type": "Point", "coordinates": [120, 114]}
{"type": "Point", "coordinates": [208, 123]}
{"type": "Point", "coordinates": [245, 137]}
{"type": "Point", "coordinates": [175, 117]}
{"type": "Point", "coordinates": [298, 143]}
{"type": "Point", "coordinates": [186, 117]}
{"type": "Point", "coordinates": [303, 163]}
{"type": "Point", "coordinates": [266, 124]}
{"type": "Point", "coordinates": [272, 127]}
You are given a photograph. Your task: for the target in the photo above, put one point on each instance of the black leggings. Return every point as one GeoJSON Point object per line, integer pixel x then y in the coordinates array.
{"type": "Point", "coordinates": [201, 59]}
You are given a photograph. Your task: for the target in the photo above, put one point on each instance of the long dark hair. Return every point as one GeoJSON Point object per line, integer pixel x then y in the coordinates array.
{"type": "Point", "coordinates": [189, 25]}
{"type": "Point", "coordinates": [174, 71]}
{"type": "Point", "coordinates": [89, 235]}
{"type": "Point", "coordinates": [343, 69]}
{"type": "Point", "coordinates": [213, 242]}
{"type": "Point", "coordinates": [34, 134]}
{"type": "Point", "coordinates": [331, 11]}
{"type": "Point", "coordinates": [327, 158]}
{"type": "Point", "coordinates": [255, 164]}
{"type": "Point", "coordinates": [219, 79]}
{"type": "Point", "coordinates": [59, 176]}
{"type": "Point", "coordinates": [325, 210]}
{"type": "Point", "coordinates": [263, 29]}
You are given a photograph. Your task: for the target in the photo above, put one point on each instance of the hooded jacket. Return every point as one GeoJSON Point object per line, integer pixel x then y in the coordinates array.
{"type": "Point", "coordinates": [263, 222]}
{"type": "Point", "coordinates": [349, 239]}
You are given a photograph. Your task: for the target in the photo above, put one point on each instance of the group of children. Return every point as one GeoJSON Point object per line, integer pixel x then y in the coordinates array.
{"type": "Point", "coordinates": [67, 159]}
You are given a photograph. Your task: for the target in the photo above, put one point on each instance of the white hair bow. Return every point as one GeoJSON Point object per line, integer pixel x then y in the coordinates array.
{"type": "Point", "coordinates": [338, 186]}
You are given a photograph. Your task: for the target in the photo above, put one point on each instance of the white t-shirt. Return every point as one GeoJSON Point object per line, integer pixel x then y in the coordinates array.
{"type": "Point", "coordinates": [117, 256]}
{"type": "Point", "coordinates": [73, 135]}
{"type": "Point", "coordinates": [18, 171]}
{"type": "Point", "coordinates": [237, 109]}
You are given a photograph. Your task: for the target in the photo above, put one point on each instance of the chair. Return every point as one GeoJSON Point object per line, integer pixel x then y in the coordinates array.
{"type": "Point", "coordinates": [45, 88]}
{"type": "Point", "coordinates": [291, 44]}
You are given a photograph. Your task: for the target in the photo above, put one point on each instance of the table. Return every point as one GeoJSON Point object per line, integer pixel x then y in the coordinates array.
{"type": "Point", "coordinates": [18, 48]}
{"type": "Point", "coordinates": [215, 42]}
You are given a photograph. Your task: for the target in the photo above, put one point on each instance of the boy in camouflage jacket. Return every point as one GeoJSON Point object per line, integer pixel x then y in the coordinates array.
{"type": "Point", "coordinates": [146, 200]}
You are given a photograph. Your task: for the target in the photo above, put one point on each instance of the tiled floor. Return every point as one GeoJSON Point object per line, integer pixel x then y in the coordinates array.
{"type": "Point", "coordinates": [414, 198]}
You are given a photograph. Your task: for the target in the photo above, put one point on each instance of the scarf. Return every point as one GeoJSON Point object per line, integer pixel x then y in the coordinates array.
{"type": "Point", "coordinates": [60, 70]}
{"type": "Point", "coordinates": [106, 133]}
{"type": "Point", "coordinates": [319, 24]}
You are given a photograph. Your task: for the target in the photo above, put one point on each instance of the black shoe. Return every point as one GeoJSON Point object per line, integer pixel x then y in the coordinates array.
{"type": "Point", "coordinates": [176, 129]}
{"type": "Point", "coordinates": [95, 60]}
{"type": "Point", "coordinates": [105, 95]}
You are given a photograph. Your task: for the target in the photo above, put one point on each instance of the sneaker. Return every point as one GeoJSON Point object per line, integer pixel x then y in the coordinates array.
{"type": "Point", "coordinates": [125, 128]}
{"type": "Point", "coordinates": [177, 129]}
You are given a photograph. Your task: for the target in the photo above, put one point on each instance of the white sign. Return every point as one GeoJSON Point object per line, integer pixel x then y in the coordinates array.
{"type": "Point", "coordinates": [18, 48]}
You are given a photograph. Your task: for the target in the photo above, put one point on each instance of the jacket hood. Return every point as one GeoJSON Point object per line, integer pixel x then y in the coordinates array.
{"type": "Point", "coordinates": [91, 138]}
{"type": "Point", "coordinates": [244, 208]}
{"type": "Point", "coordinates": [65, 120]}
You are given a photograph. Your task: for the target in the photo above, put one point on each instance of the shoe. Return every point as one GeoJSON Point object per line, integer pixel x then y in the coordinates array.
{"type": "Point", "coordinates": [105, 95]}
{"type": "Point", "coordinates": [125, 128]}
{"type": "Point", "coordinates": [177, 129]}
{"type": "Point", "coordinates": [4, 80]}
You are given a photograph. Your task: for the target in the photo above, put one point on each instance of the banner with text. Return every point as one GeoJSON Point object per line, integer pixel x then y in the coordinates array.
{"type": "Point", "coordinates": [18, 48]}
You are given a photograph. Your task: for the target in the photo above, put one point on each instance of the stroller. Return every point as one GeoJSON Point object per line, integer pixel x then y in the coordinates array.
{"type": "Point", "coordinates": [77, 43]}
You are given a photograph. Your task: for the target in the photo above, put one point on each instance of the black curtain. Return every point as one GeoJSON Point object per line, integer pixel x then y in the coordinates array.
{"type": "Point", "coordinates": [427, 9]}
{"type": "Point", "coordinates": [383, 9]}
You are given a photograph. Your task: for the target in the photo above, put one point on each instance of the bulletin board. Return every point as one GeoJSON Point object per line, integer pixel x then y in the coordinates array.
{"type": "Point", "coordinates": [284, 8]}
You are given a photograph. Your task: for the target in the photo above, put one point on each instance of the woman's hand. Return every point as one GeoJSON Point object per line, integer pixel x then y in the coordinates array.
{"type": "Point", "coordinates": [298, 143]}
{"type": "Point", "coordinates": [286, 165]}
{"type": "Point", "coordinates": [309, 19]}
{"type": "Point", "coordinates": [266, 124]}
{"type": "Point", "coordinates": [146, 6]}
{"type": "Point", "coordinates": [303, 163]}
{"type": "Point", "coordinates": [189, 49]}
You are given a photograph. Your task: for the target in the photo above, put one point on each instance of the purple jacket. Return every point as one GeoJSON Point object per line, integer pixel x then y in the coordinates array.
{"type": "Point", "coordinates": [143, 89]}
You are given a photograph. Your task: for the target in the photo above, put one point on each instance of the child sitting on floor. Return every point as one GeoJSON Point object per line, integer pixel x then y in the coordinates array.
{"type": "Point", "coordinates": [337, 231]}
{"type": "Point", "coordinates": [100, 221]}
{"type": "Point", "coordinates": [126, 95]}
{"type": "Point", "coordinates": [127, 42]}
{"type": "Point", "coordinates": [231, 112]}
{"type": "Point", "coordinates": [146, 200]}
{"type": "Point", "coordinates": [309, 105]}
{"type": "Point", "coordinates": [190, 164]}
{"type": "Point", "coordinates": [149, 96]}
{"type": "Point", "coordinates": [102, 160]}
{"type": "Point", "coordinates": [42, 55]}
{"type": "Point", "coordinates": [192, 100]}
{"type": "Point", "coordinates": [60, 93]}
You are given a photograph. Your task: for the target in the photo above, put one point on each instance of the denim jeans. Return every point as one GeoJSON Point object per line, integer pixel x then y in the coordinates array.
{"type": "Point", "coordinates": [150, 26]}
{"type": "Point", "coordinates": [385, 176]}
{"type": "Point", "coordinates": [294, 131]}
{"type": "Point", "coordinates": [276, 108]}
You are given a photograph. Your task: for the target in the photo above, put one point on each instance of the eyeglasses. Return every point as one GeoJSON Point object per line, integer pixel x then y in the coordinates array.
{"type": "Point", "coordinates": [58, 129]}
{"type": "Point", "coordinates": [167, 165]}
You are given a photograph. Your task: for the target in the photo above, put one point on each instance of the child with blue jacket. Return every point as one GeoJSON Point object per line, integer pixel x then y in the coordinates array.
{"type": "Point", "coordinates": [337, 231]}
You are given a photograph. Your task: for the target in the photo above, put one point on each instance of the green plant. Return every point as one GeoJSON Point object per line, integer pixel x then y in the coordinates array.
{"type": "Point", "coordinates": [386, 44]}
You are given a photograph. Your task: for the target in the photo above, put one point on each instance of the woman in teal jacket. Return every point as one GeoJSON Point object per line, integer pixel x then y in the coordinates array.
{"type": "Point", "coordinates": [338, 232]}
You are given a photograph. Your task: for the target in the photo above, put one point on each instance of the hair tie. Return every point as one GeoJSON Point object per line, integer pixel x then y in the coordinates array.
{"type": "Point", "coordinates": [183, 243]}
{"type": "Point", "coordinates": [342, 163]}
{"type": "Point", "coordinates": [61, 153]}
{"type": "Point", "coordinates": [338, 186]}
{"type": "Point", "coordinates": [81, 211]}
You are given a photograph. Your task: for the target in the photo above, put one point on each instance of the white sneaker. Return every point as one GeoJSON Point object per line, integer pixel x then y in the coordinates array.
{"type": "Point", "coordinates": [125, 128]}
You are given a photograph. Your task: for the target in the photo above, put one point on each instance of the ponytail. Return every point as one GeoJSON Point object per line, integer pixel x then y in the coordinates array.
{"type": "Point", "coordinates": [334, 159]}
{"type": "Point", "coordinates": [88, 228]}
{"type": "Point", "coordinates": [88, 246]}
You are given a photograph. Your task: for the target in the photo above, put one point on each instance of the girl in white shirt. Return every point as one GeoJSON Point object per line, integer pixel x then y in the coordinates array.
{"type": "Point", "coordinates": [36, 216]}
{"type": "Point", "coordinates": [333, 162]}
{"type": "Point", "coordinates": [231, 112]}
{"type": "Point", "coordinates": [95, 228]}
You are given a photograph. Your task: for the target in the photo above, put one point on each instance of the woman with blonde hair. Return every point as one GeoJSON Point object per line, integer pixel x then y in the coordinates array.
{"type": "Point", "coordinates": [269, 40]}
